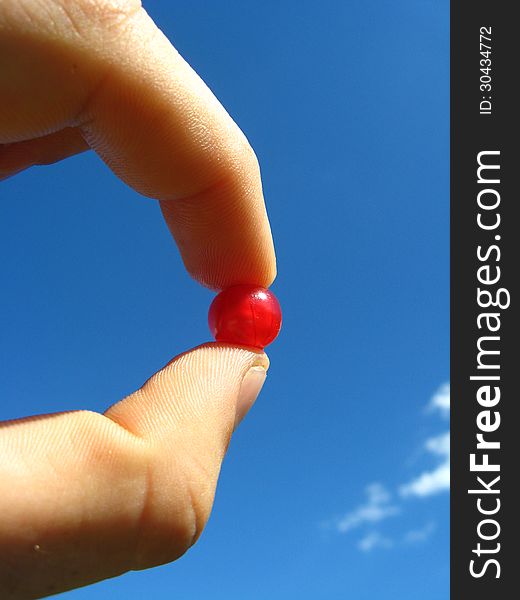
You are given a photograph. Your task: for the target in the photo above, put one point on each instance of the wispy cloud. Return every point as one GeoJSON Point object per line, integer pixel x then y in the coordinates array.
{"type": "Point", "coordinates": [377, 507]}
{"type": "Point", "coordinates": [380, 504]}
{"type": "Point", "coordinates": [374, 540]}
{"type": "Point", "coordinates": [417, 536]}
{"type": "Point", "coordinates": [436, 480]}
{"type": "Point", "coordinates": [439, 445]}
{"type": "Point", "coordinates": [440, 401]}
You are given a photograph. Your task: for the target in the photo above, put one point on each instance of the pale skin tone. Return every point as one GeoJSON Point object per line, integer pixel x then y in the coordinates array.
{"type": "Point", "coordinates": [87, 496]}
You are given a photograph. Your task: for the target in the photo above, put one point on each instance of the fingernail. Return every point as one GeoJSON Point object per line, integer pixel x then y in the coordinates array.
{"type": "Point", "coordinates": [251, 385]}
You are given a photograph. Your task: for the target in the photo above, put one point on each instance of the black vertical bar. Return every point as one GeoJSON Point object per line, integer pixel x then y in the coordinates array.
{"type": "Point", "coordinates": [485, 120]}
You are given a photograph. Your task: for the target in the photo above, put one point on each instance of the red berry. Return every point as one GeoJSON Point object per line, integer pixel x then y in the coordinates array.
{"type": "Point", "coordinates": [245, 314]}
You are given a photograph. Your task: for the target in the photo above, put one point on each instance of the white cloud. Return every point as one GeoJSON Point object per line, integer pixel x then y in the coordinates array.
{"type": "Point", "coordinates": [417, 536]}
{"type": "Point", "coordinates": [379, 504]}
{"type": "Point", "coordinates": [374, 540]}
{"type": "Point", "coordinates": [436, 480]}
{"type": "Point", "coordinates": [440, 401]}
{"type": "Point", "coordinates": [439, 445]}
{"type": "Point", "coordinates": [377, 507]}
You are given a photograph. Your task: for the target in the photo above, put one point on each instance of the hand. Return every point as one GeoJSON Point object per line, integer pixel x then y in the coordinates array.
{"type": "Point", "coordinates": [85, 496]}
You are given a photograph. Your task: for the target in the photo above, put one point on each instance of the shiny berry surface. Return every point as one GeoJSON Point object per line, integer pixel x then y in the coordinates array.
{"type": "Point", "coordinates": [245, 314]}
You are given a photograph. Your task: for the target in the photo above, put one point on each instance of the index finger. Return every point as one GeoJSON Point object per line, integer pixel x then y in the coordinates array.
{"type": "Point", "coordinates": [105, 69]}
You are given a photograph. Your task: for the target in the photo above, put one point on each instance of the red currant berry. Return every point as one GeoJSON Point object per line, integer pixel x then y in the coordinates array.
{"type": "Point", "coordinates": [245, 314]}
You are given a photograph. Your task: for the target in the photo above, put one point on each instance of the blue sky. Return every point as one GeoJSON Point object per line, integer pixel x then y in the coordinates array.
{"type": "Point", "coordinates": [335, 485]}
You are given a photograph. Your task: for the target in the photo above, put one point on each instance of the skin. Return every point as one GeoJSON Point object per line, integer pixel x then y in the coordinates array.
{"type": "Point", "coordinates": [87, 496]}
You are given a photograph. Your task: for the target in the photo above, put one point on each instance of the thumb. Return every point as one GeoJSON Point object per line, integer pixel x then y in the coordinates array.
{"type": "Point", "coordinates": [207, 390]}
{"type": "Point", "coordinates": [187, 413]}
{"type": "Point", "coordinates": [85, 497]}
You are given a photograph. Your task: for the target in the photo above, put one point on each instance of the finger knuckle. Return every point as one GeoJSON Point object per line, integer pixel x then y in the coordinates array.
{"type": "Point", "coordinates": [246, 158]}
{"type": "Point", "coordinates": [174, 515]}
{"type": "Point", "coordinates": [109, 12]}
{"type": "Point", "coordinates": [85, 16]}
